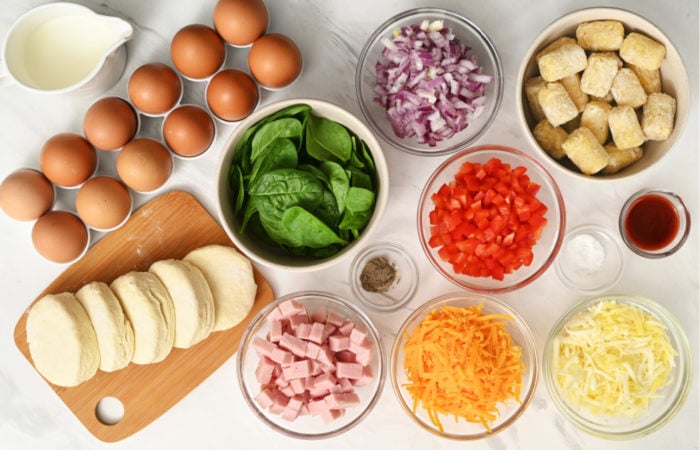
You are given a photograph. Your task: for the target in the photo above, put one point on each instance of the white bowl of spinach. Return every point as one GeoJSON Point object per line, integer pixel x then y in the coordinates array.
{"type": "Point", "coordinates": [301, 183]}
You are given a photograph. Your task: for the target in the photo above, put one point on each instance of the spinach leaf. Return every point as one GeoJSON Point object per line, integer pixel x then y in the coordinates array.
{"type": "Point", "coordinates": [307, 229]}
{"type": "Point", "coordinates": [281, 153]}
{"type": "Point", "coordinates": [359, 205]}
{"type": "Point", "coordinates": [237, 188]}
{"type": "Point", "coordinates": [327, 140]}
{"type": "Point", "coordinates": [283, 188]}
{"type": "Point", "coordinates": [282, 128]}
{"type": "Point", "coordinates": [338, 182]}
{"type": "Point", "coordinates": [360, 179]}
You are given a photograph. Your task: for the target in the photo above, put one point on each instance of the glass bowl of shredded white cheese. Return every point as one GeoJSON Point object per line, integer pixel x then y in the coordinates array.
{"type": "Point", "coordinates": [618, 366]}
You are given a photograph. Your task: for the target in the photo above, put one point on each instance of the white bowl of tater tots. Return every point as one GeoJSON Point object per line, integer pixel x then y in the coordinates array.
{"type": "Point", "coordinates": [602, 93]}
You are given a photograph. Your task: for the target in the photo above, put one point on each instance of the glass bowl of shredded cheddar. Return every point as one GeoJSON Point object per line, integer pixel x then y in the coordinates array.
{"type": "Point", "coordinates": [618, 366]}
{"type": "Point", "coordinates": [464, 366]}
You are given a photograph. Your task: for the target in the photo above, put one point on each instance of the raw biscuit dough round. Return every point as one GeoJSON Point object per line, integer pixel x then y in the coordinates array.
{"type": "Point", "coordinates": [230, 278]}
{"type": "Point", "coordinates": [149, 308]}
{"type": "Point", "coordinates": [62, 341]}
{"type": "Point", "coordinates": [192, 300]}
{"type": "Point", "coordinates": [115, 336]}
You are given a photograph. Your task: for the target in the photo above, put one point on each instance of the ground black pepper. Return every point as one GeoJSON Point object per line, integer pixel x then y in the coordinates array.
{"type": "Point", "coordinates": [378, 275]}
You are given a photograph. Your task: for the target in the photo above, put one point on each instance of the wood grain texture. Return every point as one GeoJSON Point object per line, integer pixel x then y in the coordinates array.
{"type": "Point", "coordinates": [167, 227]}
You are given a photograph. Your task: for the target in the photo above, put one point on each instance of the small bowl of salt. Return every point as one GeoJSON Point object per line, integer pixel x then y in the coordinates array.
{"type": "Point", "coordinates": [383, 276]}
{"type": "Point", "coordinates": [590, 260]}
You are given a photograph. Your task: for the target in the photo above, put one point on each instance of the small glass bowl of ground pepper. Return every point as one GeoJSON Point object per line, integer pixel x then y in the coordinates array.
{"type": "Point", "coordinates": [384, 277]}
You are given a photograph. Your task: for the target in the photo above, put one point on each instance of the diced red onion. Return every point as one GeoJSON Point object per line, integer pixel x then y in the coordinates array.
{"type": "Point", "coordinates": [429, 85]}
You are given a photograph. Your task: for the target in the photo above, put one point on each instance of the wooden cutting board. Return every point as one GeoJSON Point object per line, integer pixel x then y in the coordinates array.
{"type": "Point", "coordinates": [167, 227]}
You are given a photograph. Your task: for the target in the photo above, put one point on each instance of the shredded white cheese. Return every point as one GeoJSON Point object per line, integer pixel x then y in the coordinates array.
{"type": "Point", "coordinates": [612, 359]}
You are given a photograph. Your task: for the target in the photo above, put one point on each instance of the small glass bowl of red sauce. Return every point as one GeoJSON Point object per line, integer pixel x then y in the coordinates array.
{"type": "Point", "coordinates": [654, 223]}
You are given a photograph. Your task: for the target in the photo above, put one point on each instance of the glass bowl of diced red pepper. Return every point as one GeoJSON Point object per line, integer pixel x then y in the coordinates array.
{"type": "Point", "coordinates": [491, 219]}
{"type": "Point", "coordinates": [310, 365]}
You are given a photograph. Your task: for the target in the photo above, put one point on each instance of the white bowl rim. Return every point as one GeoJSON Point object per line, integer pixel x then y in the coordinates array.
{"type": "Point", "coordinates": [599, 13]}
{"type": "Point", "coordinates": [380, 200]}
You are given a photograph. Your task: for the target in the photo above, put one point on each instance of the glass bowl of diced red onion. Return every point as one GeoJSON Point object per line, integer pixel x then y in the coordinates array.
{"type": "Point", "coordinates": [429, 81]}
{"type": "Point", "coordinates": [491, 219]}
{"type": "Point", "coordinates": [310, 365]}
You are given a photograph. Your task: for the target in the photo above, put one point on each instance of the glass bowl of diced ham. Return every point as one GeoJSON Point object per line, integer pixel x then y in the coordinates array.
{"type": "Point", "coordinates": [311, 365]}
{"type": "Point", "coordinates": [429, 81]}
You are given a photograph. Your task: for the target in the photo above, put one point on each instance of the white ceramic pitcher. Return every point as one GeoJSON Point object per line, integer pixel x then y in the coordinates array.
{"type": "Point", "coordinates": [60, 48]}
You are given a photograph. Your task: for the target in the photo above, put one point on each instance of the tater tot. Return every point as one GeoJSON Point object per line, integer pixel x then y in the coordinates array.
{"type": "Point", "coordinates": [650, 79]}
{"type": "Point", "coordinates": [624, 127]}
{"type": "Point", "coordinates": [555, 44]}
{"type": "Point", "coordinates": [627, 90]}
{"type": "Point", "coordinates": [658, 116]}
{"type": "Point", "coordinates": [562, 62]}
{"type": "Point", "coordinates": [600, 72]}
{"type": "Point", "coordinates": [585, 152]}
{"type": "Point", "coordinates": [572, 84]}
{"type": "Point", "coordinates": [619, 159]}
{"type": "Point", "coordinates": [595, 118]}
{"type": "Point", "coordinates": [642, 51]}
{"type": "Point", "coordinates": [600, 35]}
{"type": "Point", "coordinates": [532, 87]}
{"type": "Point", "coordinates": [550, 138]}
{"type": "Point", "coordinates": [556, 104]}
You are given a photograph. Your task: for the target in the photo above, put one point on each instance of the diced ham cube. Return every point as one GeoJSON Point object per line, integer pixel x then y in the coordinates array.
{"type": "Point", "coordinates": [325, 356]}
{"type": "Point", "coordinates": [348, 370]}
{"type": "Point", "coordinates": [298, 319]}
{"type": "Point", "coordinates": [316, 367]}
{"type": "Point", "coordinates": [316, 407]}
{"type": "Point", "coordinates": [338, 342]}
{"type": "Point", "coordinates": [287, 390]}
{"type": "Point", "coordinates": [317, 333]}
{"type": "Point", "coordinates": [304, 410]}
{"type": "Point", "coordinates": [298, 369]}
{"type": "Point", "coordinates": [346, 328]}
{"type": "Point", "coordinates": [279, 401]}
{"type": "Point", "coordinates": [367, 377]}
{"type": "Point", "coordinates": [290, 308]}
{"type": "Point", "coordinates": [281, 381]}
{"type": "Point", "coordinates": [275, 315]}
{"type": "Point", "coordinates": [345, 385]}
{"type": "Point", "coordinates": [264, 398]}
{"type": "Point", "coordinates": [363, 352]}
{"type": "Point", "coordinates": [327, 331]}
{"type": "Point", "coordinates": [293, 344]}
{"type": "Point", "coordinates": [312, 350]}
{"type": "Point", "coordinates": [324, 381]}
{"type": "Point", "coordinates": [263, 347]}
{"type": "Point", "coordinates": [330, 415]}
{"type": "Point", "coordinates": [298, 385]}
{"type": "Point", "coordinates": [275, 331]}
{"type": "Point", "coordinates": [292, 409]}
{"type": "Point", "coordinates": [302, 331]}
{"type": "Point", "coordinates": [264, 370]}
{"type": "Point", "coordinates": [334, 319]}
{"type": "Point", "coordinates": [282, 357]}
{"type": "Point", "coordinates": [342, 400]}
{"type": "Point", "coordinates": [358, 335]}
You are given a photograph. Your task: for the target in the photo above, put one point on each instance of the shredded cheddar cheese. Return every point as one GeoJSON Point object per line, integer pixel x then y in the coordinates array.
{"type": "Point", "coordinates": [462, 363]}
{"type": "Point", "coordinates": [612, 359]}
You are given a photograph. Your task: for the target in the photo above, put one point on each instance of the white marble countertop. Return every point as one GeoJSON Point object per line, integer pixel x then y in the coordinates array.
{"type": "Point", "coordinates": [331, 34]}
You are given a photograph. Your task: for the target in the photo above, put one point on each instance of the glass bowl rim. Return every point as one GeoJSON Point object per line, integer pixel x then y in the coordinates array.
{"type": "Point", "coordinates": [337, 300]}
{"type": "Point", "coordinates": [677, 335]}
{"type": "Point", "coordinates": [464, 22]}
{"type": "Point", "coordinates": [530, 345]}
{"type": "Point", "coordinates": [546, 174]}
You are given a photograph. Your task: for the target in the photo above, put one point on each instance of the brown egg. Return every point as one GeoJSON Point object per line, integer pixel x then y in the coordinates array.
{"type": "Point", "coordinates": [154, 88]}
{"type": "Point", "coordinates": [110, 123]}
{"type": "Point", "coordinates": [197, 51]}
{"type": "Point", "coordinates": [26, 194]}
{"type": "Point", "coordinates": [68, 159]}
{"type": "Point", "coordinates": [240, 22]}
{"type": "Point", "coordinates": [59, 236]}
{"type": "Point", "coordinates": [188, 130]}
{"type": "Point", "coordinates": [232, 95]}
{"type": "Point", "coordinates": [274, 60]}
{"type": "Point", "coordinates": [144, 164]}
{"type": "Point", "coordinates": [103, 203]}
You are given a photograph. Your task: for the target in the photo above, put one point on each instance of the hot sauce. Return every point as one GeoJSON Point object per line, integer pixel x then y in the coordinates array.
{"type": "Point", "coordinates": [651, 222]}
